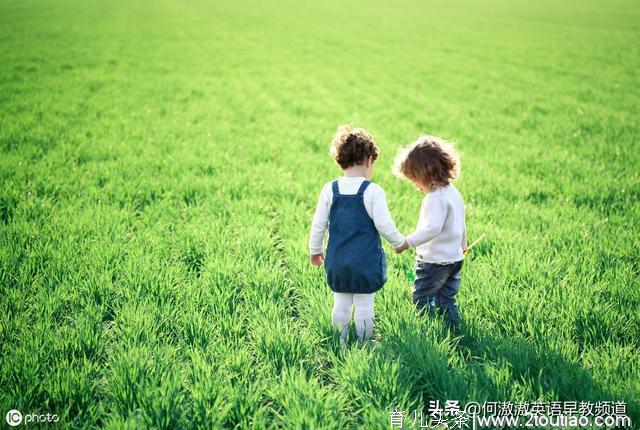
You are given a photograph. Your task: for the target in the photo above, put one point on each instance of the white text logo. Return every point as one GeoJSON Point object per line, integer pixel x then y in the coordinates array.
{"type": "Point", "coordinates": [14, 417]}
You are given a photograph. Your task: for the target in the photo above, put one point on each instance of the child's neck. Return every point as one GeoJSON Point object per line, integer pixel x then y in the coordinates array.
{"type": "Point", "coordinates": [434, 187]}
{"type": "Point", "coordinates": [355, 171]}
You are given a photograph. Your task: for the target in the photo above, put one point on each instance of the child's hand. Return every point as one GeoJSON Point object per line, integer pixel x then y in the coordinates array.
{"type": "Point", "coordinates": [317, 259]}
{"type": "Point", "coordinates": [402, 248]}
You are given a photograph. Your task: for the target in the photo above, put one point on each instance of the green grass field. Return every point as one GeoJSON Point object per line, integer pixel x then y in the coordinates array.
{"type": "Point", "coordinates": [160, 162]}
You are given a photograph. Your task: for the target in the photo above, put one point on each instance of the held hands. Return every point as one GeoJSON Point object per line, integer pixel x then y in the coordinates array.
{"type": "Point", "coordinates": [401, 248]}
{"type": "Point", "coordinates": [317, 259]}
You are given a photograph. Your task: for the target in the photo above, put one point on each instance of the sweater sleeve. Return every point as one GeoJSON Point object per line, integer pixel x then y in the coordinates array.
{"type": "Point", "coordinates": [463, 242]}
{"type": "Point", "coordinates": [382, 219]}
{"type": "Point", "coordinates": [320, 222]}
{"type": "Point", "coordinates": [435, 211]}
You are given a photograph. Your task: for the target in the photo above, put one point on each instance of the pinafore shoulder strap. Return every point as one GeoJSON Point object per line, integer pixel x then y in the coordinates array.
{"type": "Point", "coordinates": [363, 187]}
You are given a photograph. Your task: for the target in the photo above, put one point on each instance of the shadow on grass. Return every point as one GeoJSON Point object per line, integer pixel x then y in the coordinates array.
{"type": "Point", "coordinates": [478, 366]}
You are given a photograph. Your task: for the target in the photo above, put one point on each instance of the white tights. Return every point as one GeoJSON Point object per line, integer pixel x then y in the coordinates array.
{"type": "Point", "coordinates": [341, 315]}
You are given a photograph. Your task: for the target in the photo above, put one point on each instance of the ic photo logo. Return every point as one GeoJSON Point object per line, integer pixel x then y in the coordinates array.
{"type": "Point", "coordinates": [14, 417]}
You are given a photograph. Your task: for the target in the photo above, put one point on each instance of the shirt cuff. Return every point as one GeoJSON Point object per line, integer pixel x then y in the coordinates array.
{"type": "Point", "coordinates": [315, 251]}
{"type": "Point", "coordinates": [399, 242]}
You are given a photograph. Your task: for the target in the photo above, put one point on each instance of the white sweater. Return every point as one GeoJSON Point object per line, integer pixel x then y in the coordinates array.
{"type": "Point", "coordinates": [441, 233]}
{"type": "Point", "coordinates": [375, 203]}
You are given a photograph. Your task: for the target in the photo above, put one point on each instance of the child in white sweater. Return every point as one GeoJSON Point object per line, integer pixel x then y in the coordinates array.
{"type": "Point", "coordinates": [440, 237]}
{"type": "Point", "coordinates": [354, 210]}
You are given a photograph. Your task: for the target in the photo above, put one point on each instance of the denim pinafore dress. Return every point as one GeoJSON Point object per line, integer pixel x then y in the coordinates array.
{"type": "Point", "coordinates": [355, 261]}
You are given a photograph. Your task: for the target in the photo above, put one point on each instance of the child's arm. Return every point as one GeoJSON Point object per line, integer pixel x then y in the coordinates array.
{"type": "Point", "coordinates": [382, 219]}
{"type": "Point", "coordinates": [319, 227]}
{"type": "Point", "coordinates": [463, 242]}
{"type": "Point", "coordinates": [435, 211]}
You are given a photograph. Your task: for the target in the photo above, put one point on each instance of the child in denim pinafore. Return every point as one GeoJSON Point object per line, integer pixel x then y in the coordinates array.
{"type": "Point", "coordinates": [354, 210]}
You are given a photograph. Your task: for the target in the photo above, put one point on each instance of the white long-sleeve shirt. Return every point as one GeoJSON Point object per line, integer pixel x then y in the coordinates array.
{"type": "Point", "coordinates": [375, 203]}
{"type": "Point", "coordinates": [441, 233]}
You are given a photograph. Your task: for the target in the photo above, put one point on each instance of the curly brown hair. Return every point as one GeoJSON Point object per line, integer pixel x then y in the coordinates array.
{"type": "Point", "coordinates": [429, 160]}
{"type": "Point", "coordinates": [352, 146]}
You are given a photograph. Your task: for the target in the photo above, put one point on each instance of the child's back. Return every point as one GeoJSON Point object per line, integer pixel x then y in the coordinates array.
{"type": "Point", "coordinates": [440, 235]}
{"type": "Point", "coordinates": [375, 204]}
{"type": "Point", "coordinates": [357, 214]}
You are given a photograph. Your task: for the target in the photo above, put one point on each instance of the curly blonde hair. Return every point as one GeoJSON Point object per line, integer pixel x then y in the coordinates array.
{"type": "Point", "coordinates": [429, 160]}
{"type": "Point", "coordinates": [352, 146]}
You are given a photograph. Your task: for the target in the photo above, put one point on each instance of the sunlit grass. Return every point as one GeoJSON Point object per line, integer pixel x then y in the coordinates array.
{"type": "Point", "coordinates": [160, 163]}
